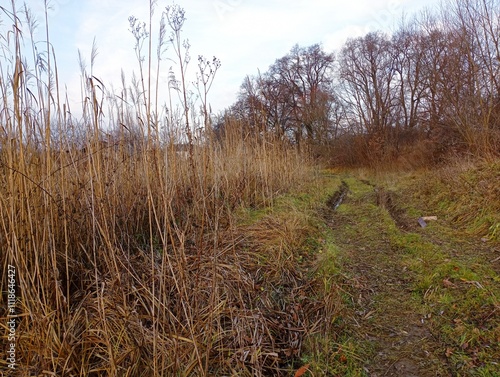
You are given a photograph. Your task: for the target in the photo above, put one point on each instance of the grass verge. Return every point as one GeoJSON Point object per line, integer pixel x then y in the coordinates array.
{"type": "Point", "coordinates": [454, 260]}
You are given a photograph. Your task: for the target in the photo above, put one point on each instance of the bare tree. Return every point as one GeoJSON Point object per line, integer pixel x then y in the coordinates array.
{"type": "Point", "coordinates": [437, 76]}
{"type": "Point", "coordinates": [476, 72]}
{"type": "Point", "coordinates": [293, 98]}
{"type": "Point", "coordinates": [409, 79]}
{"type": "Point", "coordinates": [305, 75]}
{"type": "Point", "coordinates": [434, 67]}
{"type": "Point", "coordinates": [366, 73]}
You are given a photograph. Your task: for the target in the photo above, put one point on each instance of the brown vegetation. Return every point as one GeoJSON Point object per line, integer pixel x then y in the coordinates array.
{"type": "Point", "coordinates": [129, 252]}
{"type": "Point", "coordinates": [141, 232]}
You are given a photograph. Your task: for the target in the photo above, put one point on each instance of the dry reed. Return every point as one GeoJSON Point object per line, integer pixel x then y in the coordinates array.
{"type": "Point", "coordinates": [128, 256]}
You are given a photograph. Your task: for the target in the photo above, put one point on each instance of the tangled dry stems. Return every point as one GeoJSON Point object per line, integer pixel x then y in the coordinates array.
{"type": "Point", "coordinates": [134, 264]}
{"type": "Point", "coordinates": [129, 257]}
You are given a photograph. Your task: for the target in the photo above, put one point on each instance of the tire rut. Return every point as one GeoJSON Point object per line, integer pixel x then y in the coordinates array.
{"type": "Point", "coordinates": [382, 315]}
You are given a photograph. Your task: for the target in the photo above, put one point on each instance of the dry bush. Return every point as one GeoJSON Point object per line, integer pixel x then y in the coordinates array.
{"type": "Point", "coordinates": [405, 151]}
{"type": "Point", "coordinates": [465, 192]}
{"type": "Point", "coordinates": [347, 151]}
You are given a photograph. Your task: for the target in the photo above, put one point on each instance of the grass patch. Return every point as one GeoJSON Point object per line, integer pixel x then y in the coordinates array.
{"type": "Point", "coordinates": [450, 265]}
{"type": "Point", "coordinates": [464, 193]}
{"type": "Point", "coordinates": [330, 351]}
{"type": "Point", "coordinates": [454, 278]}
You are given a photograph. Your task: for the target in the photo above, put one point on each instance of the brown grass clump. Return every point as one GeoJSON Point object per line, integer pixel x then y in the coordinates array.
{"type": "Point", "coordinates": [466, 192]}
{"type": "Point", "coordinates": [128, 257]}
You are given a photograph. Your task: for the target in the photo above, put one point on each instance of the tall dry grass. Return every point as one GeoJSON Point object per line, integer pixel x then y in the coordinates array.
{"type": "Point", "coordinates": [129, 260]}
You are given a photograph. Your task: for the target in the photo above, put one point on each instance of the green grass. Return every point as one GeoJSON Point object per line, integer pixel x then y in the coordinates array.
{"type": "Point", "coordinates": [454, 279]}
{"type": "Point", "coordinates": [454, 285]}
{"type": "Point", "coordinates": [330, 351]}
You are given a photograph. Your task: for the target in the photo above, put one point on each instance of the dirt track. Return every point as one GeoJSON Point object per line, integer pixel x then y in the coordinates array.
{"type": "Point", "coordinates": [384, 313]}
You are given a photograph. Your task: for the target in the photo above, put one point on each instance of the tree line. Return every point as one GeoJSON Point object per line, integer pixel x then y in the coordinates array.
{"type": "Point", "coordinates": [435, 78]}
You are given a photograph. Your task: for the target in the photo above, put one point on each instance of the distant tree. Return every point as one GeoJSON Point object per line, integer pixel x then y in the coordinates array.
{"type": "Point", "coordinates": [366, 74]}
{"type": "Point", "coordinates": [249, 109]}
{"type": "Point", "coordinates": [409, 79]}
{"type": "Point", "coordinates": [304, 82]}
{"type": "Point", "coordinates": [437, 76]}
{"type": "Point", "coordinates": [293, 98]}
{"type": "Point", "coordinates": [435, 63]}
{"type": "Point", "coordinates": [475, 72]}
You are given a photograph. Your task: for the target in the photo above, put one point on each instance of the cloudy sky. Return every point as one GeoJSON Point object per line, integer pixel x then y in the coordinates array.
{"type": "Point", "coordinates": [246, 35]}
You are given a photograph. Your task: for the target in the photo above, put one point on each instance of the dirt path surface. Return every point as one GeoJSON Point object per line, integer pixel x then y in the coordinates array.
{"type": "Point", "coordinates": [382, 313]}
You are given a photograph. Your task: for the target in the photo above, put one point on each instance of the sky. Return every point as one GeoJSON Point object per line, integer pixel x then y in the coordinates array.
{"type": "Point", "coordinates": [246, 35]}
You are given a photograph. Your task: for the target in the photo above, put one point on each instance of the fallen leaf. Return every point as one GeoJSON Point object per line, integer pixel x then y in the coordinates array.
{"type": "Point", "coordinates": [449, 352]}
{"type": "Point", "coordinates": [448, 284]}
{"type": "Point", "coordinates": [302, 370]}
